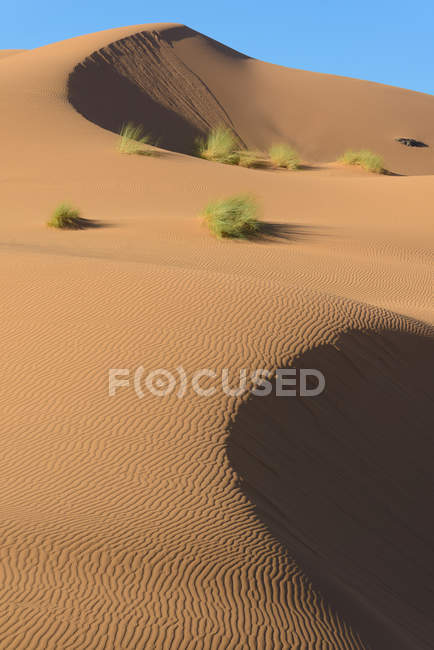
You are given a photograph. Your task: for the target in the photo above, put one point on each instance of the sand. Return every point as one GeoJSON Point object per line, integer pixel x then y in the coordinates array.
{"type": "Point", "coordinates": [212, 522]}
{"type": "Point", "coordinates": [5, 53]}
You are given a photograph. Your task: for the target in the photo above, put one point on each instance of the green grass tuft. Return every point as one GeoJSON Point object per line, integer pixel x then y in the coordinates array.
{"type": "Point", "coordinates": [282, 155]}
{"type": "Point", "coordinates": [133, 140]}
{"type": "Point", "coordinates": [65, 217]}
{"type": "Point", "coordinates": [220, 146]}
{"type": "Point", "coordinates": [370, 161]}
{"type": "Point", "coordinates": [236, 216]}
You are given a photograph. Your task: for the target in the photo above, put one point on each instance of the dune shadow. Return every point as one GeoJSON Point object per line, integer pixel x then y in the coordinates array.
{"type": "Point", "coordinates": [104, 96]}
{"type": "Point", "coordinates": [345, 481]}
{"type": "Point", "coordinates": [140, 79]}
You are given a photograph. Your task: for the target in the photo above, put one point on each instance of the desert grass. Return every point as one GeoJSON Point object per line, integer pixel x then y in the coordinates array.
{"type": "Point", "coordinates": [65, 217]}
{"type": "Point", "coordinates": [133, 140]}
{"type": "Point", "coordinates": [221, 145]}
{"type": "Point", "coordinates": [251, 159]}
{"type": "Point", "coordinates": [370, 161]}
{"type": "Point", "coordinates": [233, 217]}
{"type": "Point", "coordinates": [282, 155]}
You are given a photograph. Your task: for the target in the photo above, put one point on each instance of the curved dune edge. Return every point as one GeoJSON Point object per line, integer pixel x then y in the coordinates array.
{"type": "Point", "coordinates": [178, 84]}
{"type": "Point", "coordinates": [148, 528]}
{"type": "Point", "coordinates": [345, 479]}
{"type": "Point", "coordinates": [141, 79]}
{"type": "Point", "coordinates": [123, 521]}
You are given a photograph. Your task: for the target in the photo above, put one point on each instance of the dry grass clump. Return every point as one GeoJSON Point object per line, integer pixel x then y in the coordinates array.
{"type": "Point", "coordinates": [370, 161]}
{"type": "Point", "coordinates": [282, 155]}
{"type": "Point", "coordinates": [221, 145]}
{"type": "Point", "coordinates": [65, 217]}
{"type": "Point", "coordinates": [133, 140]}
{"type": "Point", "coordinates": [234, 217]}
{"type": "Point", "coordinates": [251, 159]}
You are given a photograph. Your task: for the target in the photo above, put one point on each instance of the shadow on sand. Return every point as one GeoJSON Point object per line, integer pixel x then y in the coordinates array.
{"type": "Point", "coordinates": [281, 232]}
{"type": "Point", "coordinates": [80, 223]}
{"type": "Point", "coordinates": [345, 481]}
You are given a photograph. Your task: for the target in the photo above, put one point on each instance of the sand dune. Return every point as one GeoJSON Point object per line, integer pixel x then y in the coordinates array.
{"type": "Point", "coordinates": [211, 522]}
{"type": "Point", "coordinates": [185, 83]}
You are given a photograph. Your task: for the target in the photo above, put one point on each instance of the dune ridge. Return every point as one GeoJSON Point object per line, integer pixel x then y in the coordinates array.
{"type": "Point", "coordinates": [139, 76]}
{"type": "Point", "coordinates": [183, 81]}
{"type": "Point", "coordinates": [137, 522]}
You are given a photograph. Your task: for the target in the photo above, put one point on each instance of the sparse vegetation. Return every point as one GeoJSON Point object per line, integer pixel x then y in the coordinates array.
{"type": "Point", "coordinates": [65, 217]}
{"type": "Point", "coordinates": [236, 216]}
{"type": "Point", "coordinates": [370, 161]}
{"type": "Point", "coordinates": [251, 159]}
{"type": "Point", "coordinates": [132, 140]}
{"type": "Point", "coordinates": [282, 155]}
{"type": "Point", "coordinates": [220, 146]}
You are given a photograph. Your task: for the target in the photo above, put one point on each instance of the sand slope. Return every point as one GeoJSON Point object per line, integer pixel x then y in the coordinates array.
{"type": "Point", "coordinates": [349, 475]}
{"type": "Point", "coordinates": [209, 522]}
{"type": "Point", "coordinates": [185, 83]}
{"type": "Point", "coordinates": [5, 53]}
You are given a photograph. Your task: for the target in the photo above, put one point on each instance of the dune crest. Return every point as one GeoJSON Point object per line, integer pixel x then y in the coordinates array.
{"type": "Point", "coordinates": [141, 79]}
{"type": "Point", "coordinates": [179, 83]}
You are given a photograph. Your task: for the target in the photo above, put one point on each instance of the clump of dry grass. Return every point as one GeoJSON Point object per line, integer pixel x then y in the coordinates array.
{"type": "Point", "coordinates": [282, 155]}
{"type": "Point", "coordinates": [251, 159]}
{"type": "Point", "coordinates": [133, 140]}
{"type": "Point", "coordinates": [65, 217]}
{"type": "Point", "coordinates": [221, 145]}
{"type": "Point", "coordinates": [234, 217]}
{"type": "Point", "coordinates": [370, 161]}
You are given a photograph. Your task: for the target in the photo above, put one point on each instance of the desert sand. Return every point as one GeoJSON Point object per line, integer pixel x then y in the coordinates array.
{"type": "Point", "coordinates": [5, 53]}
{"type": "Point", "coordinates": [212, 522]}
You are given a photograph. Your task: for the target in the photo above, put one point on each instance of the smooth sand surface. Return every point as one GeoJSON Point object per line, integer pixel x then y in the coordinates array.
{"type": "Point", "coordinates": [212, 522]}
{"type": "Point", "coordinates": [5, 53]}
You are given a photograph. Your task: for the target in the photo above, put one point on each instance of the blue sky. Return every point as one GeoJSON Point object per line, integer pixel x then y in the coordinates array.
{"type": "Point", "coordinates": [387, 41]}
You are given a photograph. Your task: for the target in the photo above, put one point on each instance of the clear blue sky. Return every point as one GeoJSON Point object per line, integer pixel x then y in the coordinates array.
{"type": "Point", "coordinates": [390, 41]}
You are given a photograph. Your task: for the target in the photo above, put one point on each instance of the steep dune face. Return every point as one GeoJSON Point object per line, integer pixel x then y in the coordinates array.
{"type": "Point", "coordinates": [179, 83]}
{"type": "Point", "coordinates": [345, 479]}
{"type": "Point", "coordinates": [124, 521]}
{"type": "Point", "coordinates": [142, 79]}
